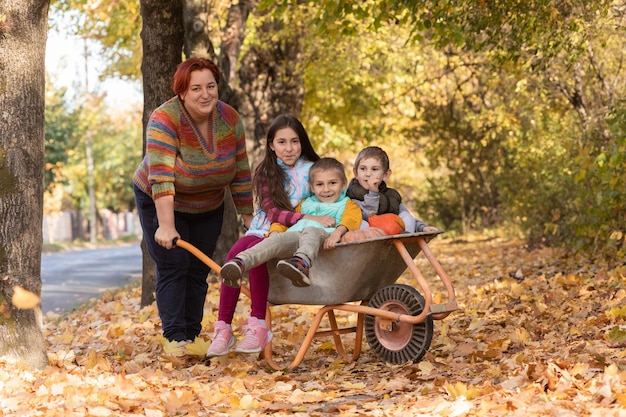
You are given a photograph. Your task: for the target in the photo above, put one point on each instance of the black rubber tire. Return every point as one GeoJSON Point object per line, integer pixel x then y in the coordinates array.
{"type": "Point", "coordinates": [405, 342]}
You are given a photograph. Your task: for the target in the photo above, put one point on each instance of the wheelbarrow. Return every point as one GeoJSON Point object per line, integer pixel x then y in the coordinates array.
{"type": "Point", "coordinates": [360, 277]}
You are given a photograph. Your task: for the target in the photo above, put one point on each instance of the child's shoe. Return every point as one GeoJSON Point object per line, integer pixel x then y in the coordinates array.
{"type": "Point", "coordinates": [257, 335]}
{"type": "Point", "coordinates": [232, 272]}
{"type": "Point", "coordinates": [296, 269]}
{"type": "Point", "coordinates": [223, 340]}
{"type": "Point", "coordinates": [183, 343]}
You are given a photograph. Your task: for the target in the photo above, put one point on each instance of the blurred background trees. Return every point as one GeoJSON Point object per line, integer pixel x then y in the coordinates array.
{"type": "Point", "coordinates": [499, 117]}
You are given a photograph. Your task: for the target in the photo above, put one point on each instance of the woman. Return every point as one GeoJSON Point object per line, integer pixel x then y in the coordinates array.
{"type": "Point", "coordinates": [281, 181]}
{"type": "Point", "coordinates": [195, 148]}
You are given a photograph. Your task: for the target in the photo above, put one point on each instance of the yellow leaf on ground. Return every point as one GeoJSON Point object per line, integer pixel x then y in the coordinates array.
{"type": "Point", "coordinates": [621, 398]}
{"type": "Point", "coordinates": [100, 412]}
{"type": "Point", "coordinates": [247, 402]}
{"type": "Point", "coordinates": [173, 348]}
{"type": "Point", "coordinates": [326, 346]}
{"type": "Point", "coordinates": [177, 399]}
{"type": "Point", "coordinates": [457, 390]}
{"type": "Point", "coordinates": [150, 412]}
{"type": "Point", "coordinates": [90, 360]}
{"type": "Point", "coordinates": [302, 397]}
{"type": "Point", "coordinates": [353, 385]}
{"type": "Point", "coordinates": [199, 347]}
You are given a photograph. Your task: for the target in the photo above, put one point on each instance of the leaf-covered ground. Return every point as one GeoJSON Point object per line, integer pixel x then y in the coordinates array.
{"type": "Point", "coordinates": [538, 334]}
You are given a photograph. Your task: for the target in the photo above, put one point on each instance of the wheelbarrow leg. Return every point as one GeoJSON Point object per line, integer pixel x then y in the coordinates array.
{"type": "Point", "coordinates": [313, 333]}
{"type": "Point", "coordinates": [451, 305]}
{"type": "Point", "coordinates": [438, 311]}
{"type": "Point", "coordinates": [336, 333]}
{"type": "Point", "coordinates": [306, 343]}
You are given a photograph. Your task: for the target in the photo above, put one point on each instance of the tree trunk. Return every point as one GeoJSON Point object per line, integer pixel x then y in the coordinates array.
{"type": "Point", "coordinates": [195, 20]}
{"type": "Point", "coordinates": [23, 34]}
{"type": "Point", "coordinates": [162, 36]}
{"type": "Point", "coordinates": [270, 81]}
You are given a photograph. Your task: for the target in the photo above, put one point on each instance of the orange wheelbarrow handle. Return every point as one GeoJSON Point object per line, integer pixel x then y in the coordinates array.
{"type": "Point", "coordinates": [198, 253]}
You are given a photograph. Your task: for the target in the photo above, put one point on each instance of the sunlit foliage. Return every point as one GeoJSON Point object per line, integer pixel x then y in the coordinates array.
{"type": "Point", "coordinates": [116, 138]}
{"type": "Point", "coordinates": [496, 114]}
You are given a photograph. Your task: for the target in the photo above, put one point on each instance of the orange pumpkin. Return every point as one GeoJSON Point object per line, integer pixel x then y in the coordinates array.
{"type": "Point", "coordinates": [391, 223]}
{"type": "Point", "coordinates": [362, 234]}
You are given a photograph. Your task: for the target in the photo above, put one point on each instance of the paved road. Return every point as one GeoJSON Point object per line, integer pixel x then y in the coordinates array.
{"type": "Point", "coordinates": [71, 278]}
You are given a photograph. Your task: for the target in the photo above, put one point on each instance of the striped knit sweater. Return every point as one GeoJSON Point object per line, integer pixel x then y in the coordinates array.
{"type": "Point", "coordinates": [180, 162]}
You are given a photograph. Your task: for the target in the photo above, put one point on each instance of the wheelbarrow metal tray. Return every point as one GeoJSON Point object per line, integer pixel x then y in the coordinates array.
{"type": "Point", "coordinates": [353, 271]}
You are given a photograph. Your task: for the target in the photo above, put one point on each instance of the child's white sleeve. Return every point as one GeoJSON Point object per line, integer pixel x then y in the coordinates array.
{"type": "Point", "coordinates": [407, 218]}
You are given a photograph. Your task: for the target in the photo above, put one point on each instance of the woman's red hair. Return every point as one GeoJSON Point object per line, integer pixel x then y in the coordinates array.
{"type": "Point", "coordinates": [184, 70]}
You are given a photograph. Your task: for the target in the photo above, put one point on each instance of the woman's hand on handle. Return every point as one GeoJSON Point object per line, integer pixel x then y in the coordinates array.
{"type": "Point", "coordinates": [165, 236]}
{"type": "Point", "coordinates": [166, 232]}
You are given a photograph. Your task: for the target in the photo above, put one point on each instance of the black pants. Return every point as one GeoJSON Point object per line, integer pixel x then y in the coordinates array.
{"type": "Point", "coordinates": [181, 278]}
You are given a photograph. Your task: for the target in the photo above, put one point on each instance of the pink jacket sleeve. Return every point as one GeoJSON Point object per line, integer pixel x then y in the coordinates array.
{"type": "Point", "coordinates": [275, 214]}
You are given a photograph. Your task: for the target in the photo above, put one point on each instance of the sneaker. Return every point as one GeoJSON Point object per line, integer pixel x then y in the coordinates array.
{"type": "Point", "coordinates": [177, 344]}
{"type": "Point", "coordinates": [257, 335]}
{"type": "Point", "coordinates": [232, 272]}
{"type": "Point", "coordinates": [183, 343]}
{"type": "Point", "coordinates": [223, 340]}
{"type": "Point", "coordinates": [296, 269]}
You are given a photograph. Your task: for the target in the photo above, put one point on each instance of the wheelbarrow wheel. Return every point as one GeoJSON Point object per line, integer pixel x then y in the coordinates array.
{"type": "Point", "coordinates": [400, 342]}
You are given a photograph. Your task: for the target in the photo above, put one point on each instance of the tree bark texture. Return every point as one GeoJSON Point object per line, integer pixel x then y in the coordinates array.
{"type": "Point", "coordinates": [270, 81]}
{"type": "Point", "coordinates": [266, 83]}
{"type": "Point", "coordinates": [196, 15]}
{"type": "Point", "coordinates": [233, 36]}
{"type": "Point", "coordinates": [162, 36]}
{"type": "Point", "coordinates": [23, 34]}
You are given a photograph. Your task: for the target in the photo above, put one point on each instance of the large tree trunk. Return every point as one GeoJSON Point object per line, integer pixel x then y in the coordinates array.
{"type": "Point", "coordinates": [270, 81]}
{"type": "Point", "coordinates": [23, 34]}
{"type": "Point", "coordinates": [232, 41]}
{"type": "Point", "coordinates": [162, 37]}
